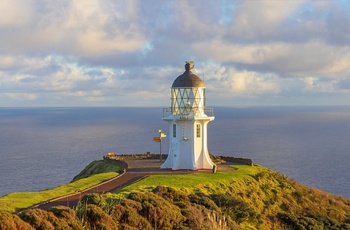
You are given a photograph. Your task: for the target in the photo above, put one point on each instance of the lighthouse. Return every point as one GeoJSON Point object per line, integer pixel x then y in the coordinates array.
{"type": "Point", "coordinates": [188, 119]}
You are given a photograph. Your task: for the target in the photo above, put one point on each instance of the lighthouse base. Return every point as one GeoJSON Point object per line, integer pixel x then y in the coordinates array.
{"type": "Point", "coordinates": [183, 161]}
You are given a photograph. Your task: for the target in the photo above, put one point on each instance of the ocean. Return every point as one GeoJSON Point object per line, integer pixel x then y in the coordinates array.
{"type": "Point", "coordinates": [41, 148]}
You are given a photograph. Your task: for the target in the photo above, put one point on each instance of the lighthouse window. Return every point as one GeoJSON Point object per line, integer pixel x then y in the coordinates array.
{"type": "Point", "coordinates": [174, 130]}
{"type": "Point", "coordinates": [198, 130]}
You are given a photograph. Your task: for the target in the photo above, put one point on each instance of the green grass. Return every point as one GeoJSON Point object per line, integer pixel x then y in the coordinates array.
{"type": "Point", "coordinates": [205, 183]}
{"type": "Point", "coordinates": [19, 200]}
{"type": "Point", "coordinates": [96, 167]}
{"type": "Point", "coordinates": [254, 197]}
{"type": "Point", "coordinates": [251, 197]}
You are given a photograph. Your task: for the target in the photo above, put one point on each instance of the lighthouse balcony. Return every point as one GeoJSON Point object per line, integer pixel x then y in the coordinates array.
{"type": "Point", "coordinates": [186, 113]}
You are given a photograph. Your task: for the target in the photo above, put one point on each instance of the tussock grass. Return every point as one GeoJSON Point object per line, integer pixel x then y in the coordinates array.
{"type": "Point", "coordinates": [256, 198]}
{"type": "Point", "coordinates": [19, 200]}
{"type": "Point", "coordinates": [245, 198]}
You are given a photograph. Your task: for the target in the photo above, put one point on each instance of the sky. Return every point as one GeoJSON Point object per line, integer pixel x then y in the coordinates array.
{"type": "Point", "coordinates": [128, 53]}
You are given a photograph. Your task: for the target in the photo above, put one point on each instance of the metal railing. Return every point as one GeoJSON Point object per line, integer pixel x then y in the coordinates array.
{"type": "Point", "coordinates": [184, 112]}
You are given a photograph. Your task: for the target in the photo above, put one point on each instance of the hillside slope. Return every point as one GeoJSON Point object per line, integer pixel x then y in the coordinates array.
{"type": "Point", "coordinates": [96, 167]}
{"type": "Point", "coordinates": [245, 198]}
{"type": "Point", "coordinates": [95, 173]}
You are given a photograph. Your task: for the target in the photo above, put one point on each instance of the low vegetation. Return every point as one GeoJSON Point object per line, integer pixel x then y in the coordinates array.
{"type": "Point", "coordinates": [99, 171]}
{"type": "Point", "coordinates": [203, 182]}
{"type": "Point", "coordinates": [257, 198]}
{"type": "Point", "coordinates": [245, 198]}
{"type": "Point", "coordinates": [97, 167]}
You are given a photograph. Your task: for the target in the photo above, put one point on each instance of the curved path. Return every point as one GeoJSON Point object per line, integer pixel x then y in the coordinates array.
{"type": "Point", "coordinates": [109, 186]}
{"type": "Point", "coordinates": [138, 169]}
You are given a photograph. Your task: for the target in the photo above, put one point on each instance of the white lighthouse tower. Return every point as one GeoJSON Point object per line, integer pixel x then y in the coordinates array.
{"type": "Point", "coordinates": [188, 119]}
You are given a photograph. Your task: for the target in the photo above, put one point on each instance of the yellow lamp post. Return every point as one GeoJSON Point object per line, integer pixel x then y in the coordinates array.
{"type": "Point", "coordinates": [159, 139]}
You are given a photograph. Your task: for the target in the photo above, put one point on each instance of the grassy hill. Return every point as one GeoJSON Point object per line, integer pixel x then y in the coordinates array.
{"type": "Point", "coordinates": [248, 197]}
{"type": "Point", "coordinates": [95, 173]}
{"type": "Point", "coordinates": [97, 167]}
{"type": "Point", "coordinates": [202, 182]}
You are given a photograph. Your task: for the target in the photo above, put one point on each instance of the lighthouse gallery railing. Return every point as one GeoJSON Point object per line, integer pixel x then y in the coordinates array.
{"type": "Point", "coordinates": [184, 112]}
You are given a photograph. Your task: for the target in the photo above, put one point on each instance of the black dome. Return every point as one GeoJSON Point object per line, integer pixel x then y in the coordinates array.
{"type": "Point", "coordinates": [188, 79]}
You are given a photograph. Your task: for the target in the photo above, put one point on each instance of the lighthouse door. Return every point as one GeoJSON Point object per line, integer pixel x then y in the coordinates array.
{"type": "Point", "coordinates": [184, 132]}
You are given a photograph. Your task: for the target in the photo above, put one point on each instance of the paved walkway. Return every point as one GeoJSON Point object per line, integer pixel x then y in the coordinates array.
{"type": "Point", "coordinates": [109, 186]}
{"type": "Point", "coordinates": [138, 169]}
{"type": "Point", "coordinates": [153, 166]}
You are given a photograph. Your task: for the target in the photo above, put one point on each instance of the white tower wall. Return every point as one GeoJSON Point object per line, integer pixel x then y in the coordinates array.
{"type": "Point", "coordinates": [188, 120]}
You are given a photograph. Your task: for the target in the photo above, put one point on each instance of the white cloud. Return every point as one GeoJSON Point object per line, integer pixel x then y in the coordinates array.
{"type": "Point", "coordinates": [18, 96]}
{"type": "Point", "coordinates": [80, 28]}
{"type": "Point", "coordinates": [339, 65]}
{"type": "Point", "coordinates": [316, 85]}
{"type": "Point", "coordinates": [92, 51]}
{"type": "Point", "coordinates": [300, 59]}
{"type": "Point", "coordinates": [194, 16]}
{"type": "Point", "coordinates": [240, 53]}
{"type": "Point", "coordinates": [230, 81]}
{"type": "Point", "coordinates": [261, 18]}
{"type": "Point", "coordinates": [15, 13]}
{"type": "Point", "coordinates": [7, 62]}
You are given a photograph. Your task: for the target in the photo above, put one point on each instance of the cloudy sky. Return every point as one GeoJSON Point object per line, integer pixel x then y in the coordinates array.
{"type": "Point", "coordinates": [128, 53]}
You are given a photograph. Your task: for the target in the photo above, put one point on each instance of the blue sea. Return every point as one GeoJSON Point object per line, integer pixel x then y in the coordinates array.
{"type": "Point", "coordinates": [41, 148]}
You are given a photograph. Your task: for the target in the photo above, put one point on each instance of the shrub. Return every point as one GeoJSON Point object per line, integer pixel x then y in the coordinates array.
{"type": "Point", "coordinates": [68, 215]}
{"type": "Point", "coordinates": [98, 219]}
{"type": "Point", "coordinates": [203, 200]}
{"type": "Point", "coordinates": [194, 216]}
{"type": "Point", "coordinates": [236, 208]}
{"type": "Point", "coordinates": [159, 212]}
{"type": "Point", "coordinates": [133, 204]}
{"type": "Point", "coordinates": [310, 222]}
{"type": "Point", "coordinates": [170, 194]}
{"type": "Point", "coordinates": [12, 222]}
{"type": "Point", "coordinates": [129, 218]}
{"type": "Point", "coordinates": [43, 220]}
{"type": "Point", "coordinates": [95, 199]}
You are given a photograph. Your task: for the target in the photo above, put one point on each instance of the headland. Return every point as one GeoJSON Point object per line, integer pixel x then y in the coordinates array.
{"type": "Point", "coordinates": [237, 196]}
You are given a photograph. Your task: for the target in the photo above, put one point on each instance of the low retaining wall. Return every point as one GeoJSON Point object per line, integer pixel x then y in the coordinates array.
{"type": "Point", "coordinates": [120, 158]}
{"type": "Point", "coordinates": [237, 160]}
{"type": "Point", "coordinates": [120, 163]}
{"type": "Point", "coordinates": [135, 156]}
